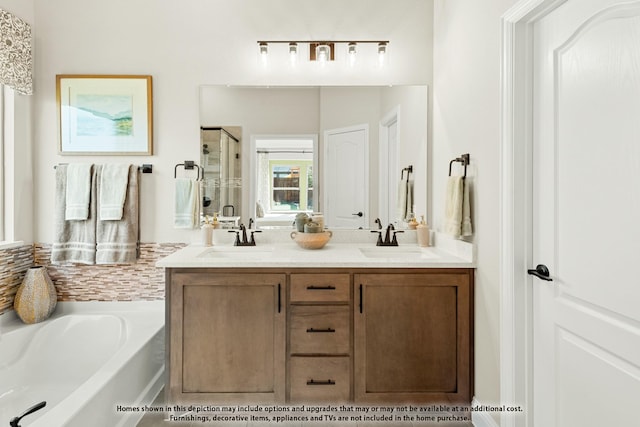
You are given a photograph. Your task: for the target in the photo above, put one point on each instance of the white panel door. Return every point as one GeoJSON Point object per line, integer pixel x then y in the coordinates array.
{"type": "Point", "coordinates": [346, 183]}
{"type": "Point", "coordinates": [586, 215]}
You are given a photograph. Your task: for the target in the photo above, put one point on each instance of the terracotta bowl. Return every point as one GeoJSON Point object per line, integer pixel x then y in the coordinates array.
{"type": "Point", "coordinates": [311, 240]}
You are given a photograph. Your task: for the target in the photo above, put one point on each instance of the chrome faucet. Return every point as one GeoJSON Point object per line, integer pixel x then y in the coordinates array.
{"type": "Point", "coordinates": [388, 240]}
{"type": "Point", "coordinates": [244, 241]}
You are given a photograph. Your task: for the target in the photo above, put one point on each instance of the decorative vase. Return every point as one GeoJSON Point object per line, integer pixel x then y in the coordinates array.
{"type": "Point", "coordinates": [36, 298]}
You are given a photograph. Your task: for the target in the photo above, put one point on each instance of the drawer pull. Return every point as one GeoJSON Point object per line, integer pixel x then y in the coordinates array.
{"type": "Point", "coordinates": [321, 288]}
{"type": "Point", "coordinates": [327, 382]}
{"type": "Point", "coordinates": [314, 330]}
{"type": "Point", "coordinates": [279, 298]}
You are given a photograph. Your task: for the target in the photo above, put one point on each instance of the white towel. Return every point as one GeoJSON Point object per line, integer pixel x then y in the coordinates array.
{"type": "Point", "coordinates": [457, 208]}
{"type": "Point", "coordinates": [78, 190]}
{"type": "Point", "coordinates": [113, 189]}
{"type": "Point", "coordinates": [467, 230]}
{"type": "Point", "coordinates": [405, 199]}
{"type": "Point", "coordinates": [187, 203]}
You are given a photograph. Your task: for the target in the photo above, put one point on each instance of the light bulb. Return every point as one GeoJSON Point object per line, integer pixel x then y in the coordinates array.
{"type": "Point", "coordinates": [382, 52]}
{"type": "Point", "coordinates": [322, 53]}
{"type": "Point", "coordinates": [264, 51]}
{"type": "Point", "coordinates": [293, 52]}
{"type": "Point", "coordinates": [352, 51]}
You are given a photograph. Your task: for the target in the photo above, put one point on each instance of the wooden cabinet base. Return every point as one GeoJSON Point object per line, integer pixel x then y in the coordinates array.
{"type": "Point", "coordinates": [276, 335]}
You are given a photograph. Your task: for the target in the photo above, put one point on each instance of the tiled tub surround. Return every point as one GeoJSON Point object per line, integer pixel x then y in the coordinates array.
{"type": "Point", "coordinates": [125, 282]}
{"type": "Point", "coordinates": [77, 282]}
{"type": "Point", "coordinates": [14, 262]}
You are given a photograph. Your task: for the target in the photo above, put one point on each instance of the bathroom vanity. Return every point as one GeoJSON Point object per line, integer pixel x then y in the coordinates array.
{"type": "Point", "coordinates": [349, 322]}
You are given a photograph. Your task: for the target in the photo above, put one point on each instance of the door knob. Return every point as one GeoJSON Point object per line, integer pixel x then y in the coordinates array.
{"type": "Point", "coordinates": [541, 272]}
{"type": "Point", "coordinates": [360, 214]}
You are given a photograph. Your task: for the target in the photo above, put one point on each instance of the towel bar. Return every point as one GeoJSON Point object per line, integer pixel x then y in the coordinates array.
{"type": "Point", "coordinates": [464, 159]}
{"type": "Point", "coordinates": [145, 168]}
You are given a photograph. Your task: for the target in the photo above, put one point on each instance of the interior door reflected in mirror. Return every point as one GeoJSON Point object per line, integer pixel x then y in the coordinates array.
{"type": "Point", "coordinates": [222, 182]}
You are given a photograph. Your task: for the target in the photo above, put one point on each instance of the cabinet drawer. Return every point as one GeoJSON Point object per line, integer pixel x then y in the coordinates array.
{"type": "Point", "coordinates": [320, 288]}
{"type": "Point", "coordinates": [320, 329]}
{"type": "Point", "coordinates": [315, 379]}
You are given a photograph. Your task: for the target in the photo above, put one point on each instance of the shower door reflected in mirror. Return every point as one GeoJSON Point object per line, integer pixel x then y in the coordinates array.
{"type": "Point", "coordinates": [222, 183]}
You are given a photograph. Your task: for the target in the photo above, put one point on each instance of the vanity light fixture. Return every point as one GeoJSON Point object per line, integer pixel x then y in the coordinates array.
{"type": "Point", "coordinates": [324, 51]}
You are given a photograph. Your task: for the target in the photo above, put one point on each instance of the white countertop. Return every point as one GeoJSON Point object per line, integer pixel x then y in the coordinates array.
{"type": "Point", "coordinates": [344, 250]}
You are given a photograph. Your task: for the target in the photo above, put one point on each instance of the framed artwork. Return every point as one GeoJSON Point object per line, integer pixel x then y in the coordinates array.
{"type": "Point", "coordinates": [104, 114]}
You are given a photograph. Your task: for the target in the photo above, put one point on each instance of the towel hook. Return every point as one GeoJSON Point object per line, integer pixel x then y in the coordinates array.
{"type": "Point", "coordinates": [464, 159]}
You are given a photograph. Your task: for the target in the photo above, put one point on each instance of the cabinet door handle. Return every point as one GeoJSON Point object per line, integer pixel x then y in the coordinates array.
{"type": "Point", "coordinates": [314, 330]}
{"type": "Point", "coordinates": [327, 382]}
{"type": "Point", "coordinates": [279, 298]}
{"type": "Point", "coordinates": [361, 298]}
{"type": "Point", "coordinates": [321, 288]}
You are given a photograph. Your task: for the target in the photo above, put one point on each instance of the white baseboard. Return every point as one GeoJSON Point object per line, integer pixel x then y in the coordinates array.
{"type": "Point", "coordinates": [482, 419]}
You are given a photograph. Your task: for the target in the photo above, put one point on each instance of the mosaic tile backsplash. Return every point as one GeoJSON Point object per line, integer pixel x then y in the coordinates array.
{"type": "Point", "coordinates": [76, 282]}
{"type": "Point", "coordinates": [14, 263]}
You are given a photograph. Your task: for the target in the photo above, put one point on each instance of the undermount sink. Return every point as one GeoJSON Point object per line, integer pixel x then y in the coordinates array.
{"type": "Point", "coordinates": [237, 252]}
{"type": "Point", "coordinates": [397, 252]}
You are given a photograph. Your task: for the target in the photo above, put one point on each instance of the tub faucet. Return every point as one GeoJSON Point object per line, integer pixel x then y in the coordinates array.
{"type": "Point", "coordinates": [14, 422]}
{"type": "Point", "coordinates": [244, 241]}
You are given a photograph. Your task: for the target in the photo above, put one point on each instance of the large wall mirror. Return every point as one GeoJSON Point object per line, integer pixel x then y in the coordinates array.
{"type": "Point", "coordinates": [336, 150]}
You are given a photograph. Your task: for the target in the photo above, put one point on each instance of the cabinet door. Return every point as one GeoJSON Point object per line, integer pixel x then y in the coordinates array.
{"type": "Point", "coordinates": [232, 336]}
{"type": "Point", "coordinates": [412, 337]}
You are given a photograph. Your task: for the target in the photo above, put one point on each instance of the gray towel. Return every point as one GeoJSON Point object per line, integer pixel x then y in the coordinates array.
{"type": "Point", "coordinates": [117, 240]}
{"type": "Point", "coordinates": [78, 191]}
{"type": "Point", "coordinates": [113, 190]}
{"type": "Point", "coordinates": [74, 240]}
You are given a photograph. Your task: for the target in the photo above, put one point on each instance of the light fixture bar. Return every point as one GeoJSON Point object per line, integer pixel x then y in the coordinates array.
{"type": "Point", "coordinates": [324, 50]}
{"type": "Point", "coordinates": [324, 41]}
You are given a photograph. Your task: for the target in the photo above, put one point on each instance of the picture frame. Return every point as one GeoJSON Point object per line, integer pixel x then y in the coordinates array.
{"type": "Point", "coordinates": [104, 114]}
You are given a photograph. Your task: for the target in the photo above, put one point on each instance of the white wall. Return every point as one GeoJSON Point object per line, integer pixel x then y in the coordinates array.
{"type": "Point", "coordinates": [193, 42]}
{"type": "Point", "coordinates": [466, 119]}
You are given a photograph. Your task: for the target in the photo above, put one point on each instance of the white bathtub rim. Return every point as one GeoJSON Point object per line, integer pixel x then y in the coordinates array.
{"type": "Point", "coordinates": [9, 320]}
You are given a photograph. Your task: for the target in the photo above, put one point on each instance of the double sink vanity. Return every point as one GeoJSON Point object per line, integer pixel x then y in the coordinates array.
{"type": "Point", "coordinates": [275, 323]}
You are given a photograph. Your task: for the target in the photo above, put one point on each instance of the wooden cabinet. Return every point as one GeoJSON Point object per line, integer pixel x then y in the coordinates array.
{"type": "Point", "coordinates": [227, 339]}
{"type": "Point", "coordinates": [413, 337]}
{"type": "Point", "coordinates": [320, 338]}
{"type": "Point", "coordinates": [311, 335]}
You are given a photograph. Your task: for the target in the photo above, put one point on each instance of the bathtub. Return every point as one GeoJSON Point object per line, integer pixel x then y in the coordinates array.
{"type": "Point", "coordinates": [84, 361]}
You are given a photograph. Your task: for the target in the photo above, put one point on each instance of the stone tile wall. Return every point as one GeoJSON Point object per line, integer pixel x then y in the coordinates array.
{"type": "Point", "coordinates": [123, 282]}
{"type": "Point", "coordinates": [77, 282]}
{"type": "Point", "coordinates": [14, 262]}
